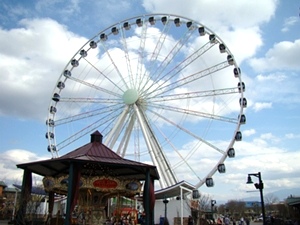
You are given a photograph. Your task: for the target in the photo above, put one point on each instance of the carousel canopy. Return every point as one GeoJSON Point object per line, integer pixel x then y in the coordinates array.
{"type": "Point", "coordinates": [96, 160]}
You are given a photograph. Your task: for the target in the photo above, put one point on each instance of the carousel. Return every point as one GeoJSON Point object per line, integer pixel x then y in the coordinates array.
{"type": "Point", "coordinates": [90, 176]}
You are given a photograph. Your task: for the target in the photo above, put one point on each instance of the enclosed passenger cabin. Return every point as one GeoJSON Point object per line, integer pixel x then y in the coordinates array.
{"type": "Point", "coordinates": [115, 30]}
{"type": "Point", "coordinates": [103, 37]}
{"type": "Point", "coordinates": [177, 22]}
{"type": "Point", "coordinates": [164, 20]}
{"type": "Point", "coordinates": [221, 168]}
{"type": "Point", "coordinates": [126, 26]}
{"type": "Point", "coordinates": [231, 153]}
{"type": "Point", "coordinates": [139, 22]}
{"type": "Point", "coordinates": [201, 31]}
{"type": "Point", "coordinates": [238, 136]}
{"type": "Point", "coordinates": [93, 44]}
{"type": "Point", "coordinates": [151, 20]}
{"type": "Point", "coordinates": [222, 48]}
{"type": "Point", "coordinates": [209, 182]}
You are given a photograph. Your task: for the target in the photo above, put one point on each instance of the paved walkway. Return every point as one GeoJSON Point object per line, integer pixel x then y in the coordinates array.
{"type": "Point", "coordinates": [3, 222]}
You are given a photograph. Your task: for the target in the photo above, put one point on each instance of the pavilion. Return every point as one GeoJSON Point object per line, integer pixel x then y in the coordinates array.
{"type": "Point", "coordinates": [94, 168]}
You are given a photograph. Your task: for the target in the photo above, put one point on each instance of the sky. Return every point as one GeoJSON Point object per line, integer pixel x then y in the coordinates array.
{"type": "Point", "coordinates": [38, 38]}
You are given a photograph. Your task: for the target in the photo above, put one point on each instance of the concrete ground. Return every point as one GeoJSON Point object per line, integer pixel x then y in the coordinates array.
{"type": "Point", "coordinates": [3, 222]}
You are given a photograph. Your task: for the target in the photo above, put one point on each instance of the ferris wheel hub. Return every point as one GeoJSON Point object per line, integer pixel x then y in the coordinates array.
{"type": "Point", "coordinates": [130, 96]}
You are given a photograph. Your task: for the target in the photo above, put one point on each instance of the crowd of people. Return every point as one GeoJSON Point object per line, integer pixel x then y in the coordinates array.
{"type": "Point", "coordinates": [229, 220]}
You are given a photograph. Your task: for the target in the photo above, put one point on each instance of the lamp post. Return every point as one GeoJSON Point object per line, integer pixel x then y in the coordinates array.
{"type": "Point", "coordinates": [165, 201]}
{"type": "Point", "coordinates": [260, 186]}
{"type": "Point", "coordinates": [212, 203]}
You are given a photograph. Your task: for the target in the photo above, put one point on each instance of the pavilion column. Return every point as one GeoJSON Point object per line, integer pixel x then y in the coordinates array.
{"type": "Point", "coordinates": [50, 206]}
{"type": "Point", "coordinates": [25, 196]}
{"type": "Point", "coordinates": [149, 199]}
{"type": "Point", "coordinates": [73, 190]}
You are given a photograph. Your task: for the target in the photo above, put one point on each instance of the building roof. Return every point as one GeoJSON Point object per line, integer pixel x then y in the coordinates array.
{"type": "Point", "coordinates": [175, 190]}
{"type": "Point", "coordinates": [34, 190]}
{"type": "Point", "coordinates": [95, 159]}
{"type": "Point", "coordinates": [293, 201]}
{"type": "Point", "coordinates": [2, 184]}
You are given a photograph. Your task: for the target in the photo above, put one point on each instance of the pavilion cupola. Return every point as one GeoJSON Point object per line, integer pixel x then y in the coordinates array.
{"type": "Point", "coordinates": [96, 137]}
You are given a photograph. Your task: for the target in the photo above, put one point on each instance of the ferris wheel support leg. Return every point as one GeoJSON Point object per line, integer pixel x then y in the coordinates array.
{"type": "Point", "coordinates": [155, 151]}
{"type": "Point", "coordinates": [114, 133]}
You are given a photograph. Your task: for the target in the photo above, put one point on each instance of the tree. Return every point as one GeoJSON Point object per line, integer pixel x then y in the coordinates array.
{"type": "Point", "coordinates": [199, 207]}
{"type": "Point", "coordinates": [270, 202]}
{"type": "Point", "coordinates": [233, 208]}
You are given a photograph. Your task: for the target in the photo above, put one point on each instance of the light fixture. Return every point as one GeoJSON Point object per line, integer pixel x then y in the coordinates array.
{"type": "Point", "coordinates": [249, 180]}
{"type": "Point", "coordinates": [260, 186]}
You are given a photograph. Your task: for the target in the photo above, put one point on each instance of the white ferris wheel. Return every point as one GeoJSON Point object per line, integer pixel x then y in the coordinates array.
{"type": "Point", "coordinates": [161, 89]}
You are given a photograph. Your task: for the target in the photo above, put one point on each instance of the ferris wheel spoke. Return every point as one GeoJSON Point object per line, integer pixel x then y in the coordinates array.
{"type": "Point", "coordinates": [183, 159]}
{"type": "Point", "coordinates": [86, 130]}
{"type": "Point", "coordinates": [105, 76]}
{"type": "Point", "coordinates": [121, 150]}
{"type": "Point", "coordinates": [188, 132]}
{"type": "Point", "coordinates": [156, 74]}
{"type": "Point", "coordinates": [91, 100]}
{"type": "Point", "coordinates": [184, 63]}
{"type": "Point", "coordinates": [171, 55]}
{"type": "Point", "coordinates": [195, 113]}
{"type": "Point", "coordinates": [87, 84]}
{"type": "Point", "coordinates": [127, 57]}
{"type": "Point", "coordinates": [141, 52]}
{"type": "Point", "coordinates": [154, 149]}
{"type": "Point", "coordinates": [92, 113]}
{"type": "Point", "coordinates": [190, 78]}
{"type": "Point", "coordinates": [116, 129]}
{"type": "Point", "coordinates": [193, 95]}
{"type": "Point", "coordinates": [158, 47]}
{"type": "Point", "coordinates": [114, 64]}
{"type": "Point", "coordinates": [159, 44]}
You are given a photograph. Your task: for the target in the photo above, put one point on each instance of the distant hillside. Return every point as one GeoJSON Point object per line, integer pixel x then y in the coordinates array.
{"type": "Point", "coordinates": [281, 194]}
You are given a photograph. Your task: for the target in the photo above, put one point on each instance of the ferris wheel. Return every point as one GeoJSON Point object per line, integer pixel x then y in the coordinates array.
{"type": "Point", "coordinates": [161, 89]}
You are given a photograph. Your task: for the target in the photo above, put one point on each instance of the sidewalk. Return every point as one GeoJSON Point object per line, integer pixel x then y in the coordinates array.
{"type": "Point", "coordinates": [3, 222]}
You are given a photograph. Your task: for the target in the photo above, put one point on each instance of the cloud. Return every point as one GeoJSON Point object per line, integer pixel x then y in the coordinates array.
{"type": "Point", "coordinates": [32, 57]}
{"type": "Point", "coordinates": [241, 14]}
{"type": "Point", "coordinates": [248, 133]}
{"type": "Point", "coordinates": [258, 106]}
{"type": "Point", "coordinates": [289, 22]}
{"type": "Point", "coordinates": [282, 56]}
{"type": "Point", "coordinates": [8, 161]}
{"type": "Point", "coordinates": [268, 89]}
{"type": "Point", "coordinates": [237, 24]}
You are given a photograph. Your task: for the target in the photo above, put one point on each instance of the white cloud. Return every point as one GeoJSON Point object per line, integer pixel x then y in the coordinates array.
{"type": "Point", "coordinates": [292, 136]}
{"type": "Point", "coordinates": [8, 161]}
{"type": "Point", "coordinates": [258, 106]}
{"type": "Point", "coordinates": [240, 14]}
{"type": "Point", "coordinates": [283, 56]}
{"type": "Point", "coordinates": [248, 133]}
{"type": "Point", "coordinates": [266, 90]}
{"type": "Point", "coordinates": [237, 24]}
{"type": "Point", "coordinates": [289, 22]}
{"type": "Point", "coordinates": [32, 58]}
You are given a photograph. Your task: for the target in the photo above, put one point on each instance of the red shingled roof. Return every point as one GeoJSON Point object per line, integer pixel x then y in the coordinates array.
{"type": "Point", "coordinates": [95, 158]}
{"type": "Point", "coordinates": [94, 150]}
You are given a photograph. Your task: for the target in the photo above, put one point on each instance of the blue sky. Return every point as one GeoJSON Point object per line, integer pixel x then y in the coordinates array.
{"type": "Point", "coordinates": [38, 38]}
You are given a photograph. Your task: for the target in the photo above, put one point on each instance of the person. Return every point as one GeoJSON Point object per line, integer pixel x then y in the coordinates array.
{"type": "Point", "coordinates": [241, 221]}
{"type": "Point", "coordinates": [227, 220]}
{"type": "Point", "coordinates": [247, 221]}
{"type": "Point", "coordinates": [219, 221]}
{"type": "Point", "coordinates": [233, 222]}
{"type": "Point", "coordinates": [190, 220]}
